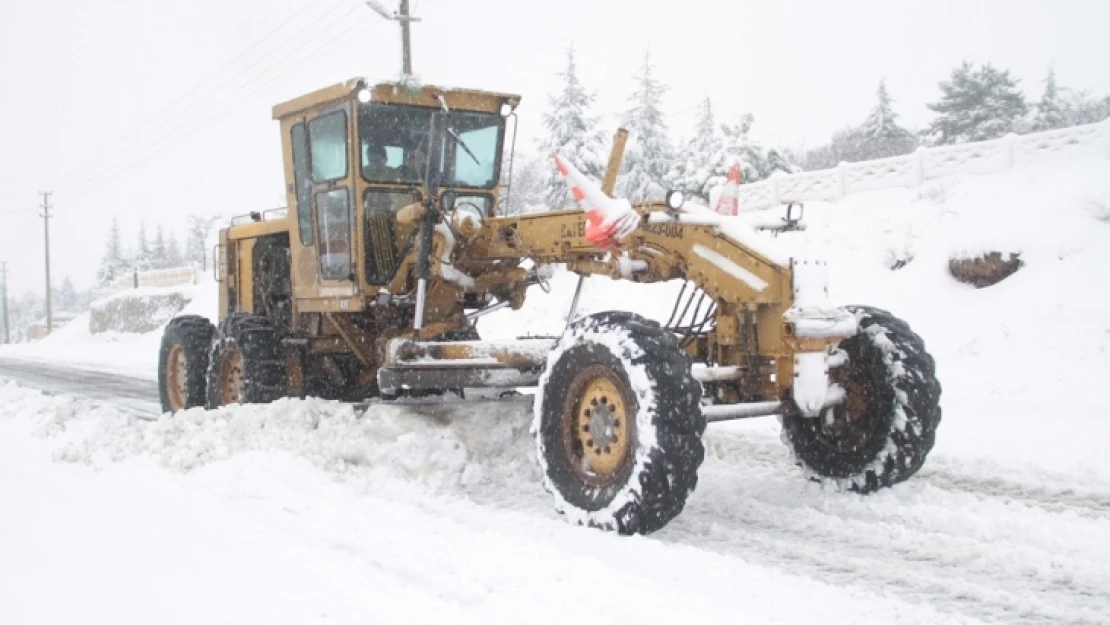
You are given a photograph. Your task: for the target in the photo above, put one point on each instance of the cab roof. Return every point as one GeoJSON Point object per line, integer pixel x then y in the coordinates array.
{"type": "Point", "coordinates": [397, 93]}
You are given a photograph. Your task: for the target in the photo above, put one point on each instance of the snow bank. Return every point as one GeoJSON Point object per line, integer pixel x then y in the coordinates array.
{"type": "Point", "coordinates": [479, 445]}
{"type": "Point", "coordinates": [129, 353]}
{"type": "Point", "coordinates": [138, 311]}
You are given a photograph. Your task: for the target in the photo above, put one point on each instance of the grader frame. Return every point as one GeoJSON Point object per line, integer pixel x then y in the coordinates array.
{"type": "Point", "coordinates": [370, 284]}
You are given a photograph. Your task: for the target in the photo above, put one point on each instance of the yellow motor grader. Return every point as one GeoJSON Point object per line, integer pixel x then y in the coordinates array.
{"type": "Point", "coordinates": [395, 242]}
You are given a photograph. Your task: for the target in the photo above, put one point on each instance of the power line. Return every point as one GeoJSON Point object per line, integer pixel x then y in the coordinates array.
{"type": "Point", "coordinates": [87, 184]}
{"type": "Point", "coordinates": [25, 210]}
{"type": "Point", "coordinates": [93, 180]}
{"type": "Point", "coordinates": [184, 101]}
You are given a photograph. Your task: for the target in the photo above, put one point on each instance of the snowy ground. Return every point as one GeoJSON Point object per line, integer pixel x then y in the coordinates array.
{"type": "Point", "coordinates": [306, 512]}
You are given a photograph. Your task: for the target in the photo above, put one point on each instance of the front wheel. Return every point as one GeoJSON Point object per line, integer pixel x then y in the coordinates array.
{"type": "Point", "coordinates": [618, 424]}
{"type": "Point", "coordinates": [881, 432]}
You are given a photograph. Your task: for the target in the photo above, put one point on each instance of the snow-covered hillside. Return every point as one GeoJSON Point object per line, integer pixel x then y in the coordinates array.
{"type": "Point", "coordinates": [309, 512]}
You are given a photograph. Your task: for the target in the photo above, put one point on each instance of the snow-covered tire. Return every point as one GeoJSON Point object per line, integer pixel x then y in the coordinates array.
{"type": "Point", "coordinates": [636, 477]}
{"type": "Point", "coordinates": [183, 362]}
{"type": "Point", "coordinates": [883, 430]}
{"type": "Point", "coordinates": [245, 365]}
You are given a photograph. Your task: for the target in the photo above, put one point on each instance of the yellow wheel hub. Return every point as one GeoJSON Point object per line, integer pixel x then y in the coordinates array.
{"type": "Point", "coordinates": [176, 377]}
{"type": "Point", "coordinates": [598, 418]}
{"type": "Point", "coordinates": [231, 378]}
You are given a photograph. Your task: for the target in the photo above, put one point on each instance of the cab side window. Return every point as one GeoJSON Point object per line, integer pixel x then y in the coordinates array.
{"type": "Point", "coordinates": [302, 184]}
{"type": "Point", "coordinates": [328, 142]}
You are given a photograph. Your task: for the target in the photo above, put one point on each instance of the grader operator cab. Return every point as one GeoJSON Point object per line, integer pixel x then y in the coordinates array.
{"type": "Point", "coordinates": [393, 245]}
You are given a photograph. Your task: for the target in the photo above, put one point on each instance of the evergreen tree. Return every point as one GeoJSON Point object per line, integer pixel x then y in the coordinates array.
{"type": "Point", "coordinates": [173, 252]}
{"type": "Point", "coordinates": [196, 239]}
{"type": "Point", "coordinates": [712, 153]}
{"type": "Point", "coordinates": [66, 296]}
{"type": "Point", "coordinates": [571, 133]}
{"type": "Point", "coordinates": [649, 153]}
{"type": "Point", "coordinates": [882, 121]}
{"type": "Point", "coordinates": [158, 258]}
{"type": "Point", "coordinates": [1050, 112]}
{"type": "Point", "coordinates": [114, 262]}
{"type": "Point", "coordinates": [692, 169]}
{"type": "Point", "coordinates": [1081, 108]}
{"type": "Point", "coordinates": [143, 255]}
{"type": "Point", "coordinates": [976, 104]}
{"type": "Point", "coordinates": [527, 192]}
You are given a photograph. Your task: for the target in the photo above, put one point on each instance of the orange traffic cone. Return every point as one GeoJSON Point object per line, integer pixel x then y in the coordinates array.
{"type": "Point", "coordinates": [729, 202]}
{"type": "Point", "coordinates": [611, 220]}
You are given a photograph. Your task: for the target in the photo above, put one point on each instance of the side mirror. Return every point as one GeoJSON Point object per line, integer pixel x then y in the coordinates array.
{"type": "Point", "coordinates": [794, 216]}
{"type": "Point", "coordinates": [675, 199]}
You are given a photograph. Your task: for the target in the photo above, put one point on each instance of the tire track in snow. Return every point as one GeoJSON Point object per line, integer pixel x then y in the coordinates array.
{"type": "Point", "coordinates": [954, 583]}
{"type": "Point", "coordinates": [1091, 504]}
{"type": "Point", "coordinates": [1000, 571]}
{"type": "Point", "coordinates": [746, 452]}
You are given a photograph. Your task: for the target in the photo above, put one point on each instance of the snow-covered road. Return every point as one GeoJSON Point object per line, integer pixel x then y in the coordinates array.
{"type": "Point", "coordinates": [309, 512]}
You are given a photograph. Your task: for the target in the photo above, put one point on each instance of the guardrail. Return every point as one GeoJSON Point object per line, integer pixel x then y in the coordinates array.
{"type": "Point", "coordinates": [924, 163]}
{"type": "Point", "coordinates": [157, 277]}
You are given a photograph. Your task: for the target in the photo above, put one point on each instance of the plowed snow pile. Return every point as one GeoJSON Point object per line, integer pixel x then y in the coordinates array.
{"type": "Point", "coordinates": [312, 512]}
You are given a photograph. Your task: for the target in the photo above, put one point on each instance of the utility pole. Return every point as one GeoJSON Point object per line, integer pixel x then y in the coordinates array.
{"type": "Point", "coordinates": [406, 50]}
{"type": "Point", "coordinates": [46, 237]}
{"type": "Point", "coordinates": [404, 18]}
{"type": "Point", "coordinates": [4, 295]}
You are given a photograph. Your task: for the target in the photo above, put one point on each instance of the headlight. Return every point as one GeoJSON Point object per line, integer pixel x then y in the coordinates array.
{"type": "Point", "coordinates": [363, 95]}
{"type": "Point", "coordinates": [675, 199]}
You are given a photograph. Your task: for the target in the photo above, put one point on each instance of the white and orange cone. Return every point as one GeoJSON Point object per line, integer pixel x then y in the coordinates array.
{"type": "Point", "coordinates": [610, 220]}
{"type": "Point", "coordinates": [729, 202]}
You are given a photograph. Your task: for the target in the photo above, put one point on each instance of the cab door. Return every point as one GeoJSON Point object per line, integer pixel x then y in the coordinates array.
{"type": "Point", "coordinates": [325, 209]}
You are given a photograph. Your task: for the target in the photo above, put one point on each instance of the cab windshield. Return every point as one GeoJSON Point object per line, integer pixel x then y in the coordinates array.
{"type": "Point", "coordinates": [393, 142]}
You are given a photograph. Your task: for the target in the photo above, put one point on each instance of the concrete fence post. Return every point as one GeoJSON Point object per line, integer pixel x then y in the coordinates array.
{"type": "Point", "coordinates": [1009, 145]}
{"type": "Point", "coordinates": [842, 179]}
{"type": "Point", "coordinates": [1106, 135]}
{"type": "Point", "coordinates": [135, 273]}
{"type": "Point", "coordinates": [776, 196]}
{"type": "Point", "coordinates": [918, 160]}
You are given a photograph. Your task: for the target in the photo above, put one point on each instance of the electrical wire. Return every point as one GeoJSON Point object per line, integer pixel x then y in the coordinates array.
{"type": "Point", "coordinates": [213, 112]}
{"type": "Point", "coordinates": [186, 100]}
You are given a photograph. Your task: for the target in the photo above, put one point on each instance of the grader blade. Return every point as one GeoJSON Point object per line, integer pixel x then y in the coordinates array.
{"type": "Point", "coordinates": [431, 365]}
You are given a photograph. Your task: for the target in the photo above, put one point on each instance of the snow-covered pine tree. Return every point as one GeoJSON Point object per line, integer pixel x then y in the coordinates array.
{"type": "Point", "coordinates": [158, 250]}
{"type": "Point", "coordinates": [691, 170]}
{"type": "Point", "coordinates": [1049, 113]}
{"type": "Point", "coordinates": [572, 133]}
{"type": "Point", "coordinates": [1081, 108]}
{"type": "Point", "coordinates": [173, 251]}
{"type": "Point", "coordinates": [648, 155]}
{"type": "Point", "coordinates": [196, 239]}
{"type": "Point", "coordinates": [527, 192]}
{"type": "Point", "coordinates": [882, 121]}
{"type": "Point", "coordinates": [881, 135]}
{"type": "Point", "coordinates": [976, 104]}
{"type": "Point", "coordinates": [114, 262]}
{"type": "Point", "coordinates": [143, 255]}
{"type": "Point", "coordinates": [66, 296]}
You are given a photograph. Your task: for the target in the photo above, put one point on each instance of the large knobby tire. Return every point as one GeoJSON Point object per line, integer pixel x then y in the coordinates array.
{"type": "Point", "coordinates": [882, 431]}
{"type": "Point", "coordinates": [183, 362]}
{"type": "Point", "coordinates": [628, 380]}
{"type": "Point", "coordinates": [246, 365]}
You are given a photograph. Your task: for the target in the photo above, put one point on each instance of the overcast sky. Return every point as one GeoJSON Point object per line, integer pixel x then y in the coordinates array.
{"type": "Point", "coordinates": [153, 110]}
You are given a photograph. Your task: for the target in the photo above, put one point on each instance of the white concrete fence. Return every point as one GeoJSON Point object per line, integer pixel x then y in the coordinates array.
{"type": "Point", "coordinates": [926, 164]}
{"type": "Point", "coordinates": [157, 277]}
